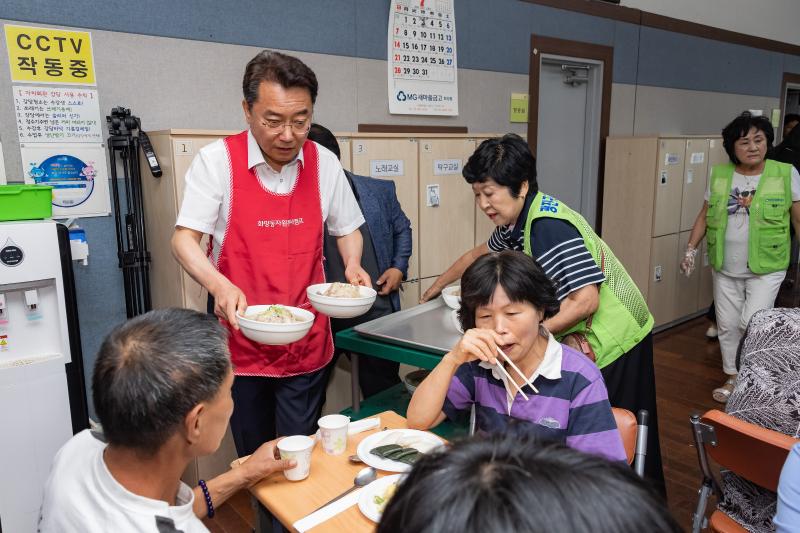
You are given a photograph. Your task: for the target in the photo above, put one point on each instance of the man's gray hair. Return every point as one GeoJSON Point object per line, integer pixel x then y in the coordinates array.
{"type": "Point", "coordinates": [152, 370]}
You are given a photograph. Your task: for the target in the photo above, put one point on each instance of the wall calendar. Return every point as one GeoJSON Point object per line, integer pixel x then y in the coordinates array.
{"type": "Point", "coordinates": [423, 72]}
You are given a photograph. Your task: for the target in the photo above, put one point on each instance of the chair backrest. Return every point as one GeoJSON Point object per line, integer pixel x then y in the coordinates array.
{"type": "Point", "coordinates": [749, 451]}
{"type": "Point", "coordinates": [626, 423]}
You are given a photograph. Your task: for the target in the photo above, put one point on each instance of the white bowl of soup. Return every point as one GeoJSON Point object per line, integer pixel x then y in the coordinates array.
{"type": "Point", "coordinates": [341, 300]}
{"type": "Point", "coordinates": [275, 324]}
{"type": "Point", "coordinates": [452, 296]}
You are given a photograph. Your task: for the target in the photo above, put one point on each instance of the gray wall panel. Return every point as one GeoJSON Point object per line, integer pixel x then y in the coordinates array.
{"type": "Point", "coordinates": [492, 36]}
{"type": "Point", "coordinates": [668, 59]}
{"type": "Point", "coordinates": [675, 111]}
{"type": "Point", "coordinates": [307, 25]}
{"type": "Point", "coordinates": [623, 99]}
{"type": "Point", "coordinates": [791, 64]}
{"type": "Point", "coordinates": [371, 28]}
{"type": "Point", "coordinates": [626, 52]}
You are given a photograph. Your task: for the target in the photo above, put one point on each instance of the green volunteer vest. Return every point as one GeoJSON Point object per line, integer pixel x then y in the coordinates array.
{"type": "Point", "coordinates": [768, 245]}
{"type": "Point", "coordinates": [622, 318]}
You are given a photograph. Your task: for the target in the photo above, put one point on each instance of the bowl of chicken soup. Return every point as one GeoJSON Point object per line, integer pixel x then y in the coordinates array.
{"type": "Point", "coordinates": [275, 324]}
{"type": "Point", "coordinates": [341, 300]}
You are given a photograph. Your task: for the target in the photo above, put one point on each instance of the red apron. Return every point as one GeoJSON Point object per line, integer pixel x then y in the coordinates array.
{"type": "Point", "coordinates": [272, 251]}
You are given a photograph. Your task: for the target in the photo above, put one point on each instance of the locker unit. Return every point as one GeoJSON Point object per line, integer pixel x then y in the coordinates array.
{"type": "Point", "coordinates": [663, 278]}
{"type": "Point", "coordinates": [687, 289]}
{"type": "Point", "coordinates": [450, 223]}
{"type": "Point", "coordinates": [426, 169]}
{"type": "Point", "coordinates": [171, 286]}
{"type": "Point", "coordinates": [396, 159]}
{"type": "Point", "coordinates": [653, 191]}
{"type": "Point", "coordinates": [669, 187]}
{"type": "Point", "coordinates": [346, 152]}
{"type": "Point", "coordinates": [694, 181]}
{"type": "Point", "coordinates": [409, 294]}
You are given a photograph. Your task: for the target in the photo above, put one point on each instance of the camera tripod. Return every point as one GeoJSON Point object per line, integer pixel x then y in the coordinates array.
{"type": "Point", "coordinates": [132, 252]}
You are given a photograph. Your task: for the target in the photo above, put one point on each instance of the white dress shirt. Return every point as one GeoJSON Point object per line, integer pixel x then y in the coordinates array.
{"type": "Point", "coordinates": [206, 197]}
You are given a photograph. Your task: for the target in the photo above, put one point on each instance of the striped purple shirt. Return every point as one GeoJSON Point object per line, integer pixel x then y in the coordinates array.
{"type": "Point", "coordinates": [572, 409]}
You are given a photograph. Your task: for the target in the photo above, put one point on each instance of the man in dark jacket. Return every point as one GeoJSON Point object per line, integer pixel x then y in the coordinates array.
{"type": "Point", "coordinates": [387, 247]}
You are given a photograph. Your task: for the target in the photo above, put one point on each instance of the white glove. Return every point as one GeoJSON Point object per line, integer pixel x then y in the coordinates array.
{"type": "Point", "coordinates": [687, 265]}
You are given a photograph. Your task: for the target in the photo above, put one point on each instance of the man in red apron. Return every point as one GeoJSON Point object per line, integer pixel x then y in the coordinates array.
{"type": "Point", "coordinates": [264, 196]}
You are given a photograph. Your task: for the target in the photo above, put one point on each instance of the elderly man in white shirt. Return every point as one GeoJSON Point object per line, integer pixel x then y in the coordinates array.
{"type": "Point", "coordinates": [161, 386]}
{"type": "Point", "coordinates": [264, 196]}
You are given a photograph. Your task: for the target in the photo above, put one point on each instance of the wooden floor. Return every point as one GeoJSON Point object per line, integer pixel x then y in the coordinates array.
{"type": "Point", "coordinates": [688, 368]}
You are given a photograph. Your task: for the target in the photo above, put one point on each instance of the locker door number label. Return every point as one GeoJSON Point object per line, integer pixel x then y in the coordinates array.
{"type": "Point", "coordinates": [446, 167]}
{"type": "Point", "coordinates": [671, 159]}
{"type": "Point", "coordinates": [385, 168]}
{"type": "Point", "coordinates": [184, 148]}
{"type": "Point", "coordinates": [697, 158]}
{"type": "Point", "coordinates": [359, 148]}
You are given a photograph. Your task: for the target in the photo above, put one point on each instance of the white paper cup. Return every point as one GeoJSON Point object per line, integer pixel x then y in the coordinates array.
{"type": "Point", "coordinates": [297, 447]}
{"type": "Point", "coordinates": [333, 432]}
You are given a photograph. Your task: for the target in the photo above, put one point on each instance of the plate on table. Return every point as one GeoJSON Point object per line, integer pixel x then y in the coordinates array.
{"type": "Point", "coordinates": [374, 497]}
{"type": "Point", "coordinates": [388, 465]}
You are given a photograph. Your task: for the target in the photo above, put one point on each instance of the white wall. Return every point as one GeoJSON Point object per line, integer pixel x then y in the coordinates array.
{"type": "Point", "coordinates": [771, 19]}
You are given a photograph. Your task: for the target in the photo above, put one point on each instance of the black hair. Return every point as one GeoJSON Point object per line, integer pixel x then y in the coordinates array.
{"type": "Point", "coordinates": [285, 70]}
{"type": "Point", "coordinates": [513, 484]}
{"type": "Point", "coordinates": [740, 127]}
{"type": "Point", "coordinates": [152, 370]}
{"type": "Point", "coordinates": [507, 160]}
{"type": "Point", "coordinates": [791, 117]}
{"type": "Point", "coordinates": [323, 136]}
{"type": "Point", "coordinates": [521, 277]}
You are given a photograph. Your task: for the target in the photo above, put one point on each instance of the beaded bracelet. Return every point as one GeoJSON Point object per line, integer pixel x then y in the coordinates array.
{"type": "Point", "coordinates": [209, 504]}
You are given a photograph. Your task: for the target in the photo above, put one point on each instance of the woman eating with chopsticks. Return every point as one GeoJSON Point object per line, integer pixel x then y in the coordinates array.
{"type": "Point", "coordinates": [512, 369]}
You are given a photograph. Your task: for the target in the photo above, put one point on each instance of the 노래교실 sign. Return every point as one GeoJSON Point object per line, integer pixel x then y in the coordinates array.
{"type": "Point", "coordinates": [46, 55]}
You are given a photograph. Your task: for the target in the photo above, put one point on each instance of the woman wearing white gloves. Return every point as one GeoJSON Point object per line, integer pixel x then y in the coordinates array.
{"type": "Point", "coordinates": [745, 218]}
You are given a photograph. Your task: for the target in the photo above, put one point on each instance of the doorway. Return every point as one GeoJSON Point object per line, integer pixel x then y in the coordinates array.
{"type": "Point", "coordinates": [790, 100]}
{"type": "Point", "coordinates": [570, 87]}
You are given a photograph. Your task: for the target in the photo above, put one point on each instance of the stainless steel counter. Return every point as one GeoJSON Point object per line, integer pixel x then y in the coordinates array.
{"type": "Point", "coordinates": [430, 327]}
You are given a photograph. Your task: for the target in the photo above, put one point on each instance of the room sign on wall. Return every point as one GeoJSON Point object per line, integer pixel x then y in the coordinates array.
{"type": "Point", "coordinates": [46, 55]}
{"type": "Point", "coordinates": [422, 67]}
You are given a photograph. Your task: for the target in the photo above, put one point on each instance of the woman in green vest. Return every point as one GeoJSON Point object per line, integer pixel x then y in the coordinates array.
{"type": "Point", "coordinates": [602, 312]}
{"type": "Point", "coordinates": [745, 219]}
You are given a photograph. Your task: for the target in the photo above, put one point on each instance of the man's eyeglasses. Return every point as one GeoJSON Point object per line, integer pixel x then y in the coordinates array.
{"type": "Point", "coordinates": [299, 126]}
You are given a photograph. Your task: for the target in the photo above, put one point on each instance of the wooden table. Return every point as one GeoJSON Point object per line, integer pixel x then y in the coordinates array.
{"type": "Point", "coordinates": [330, 475]}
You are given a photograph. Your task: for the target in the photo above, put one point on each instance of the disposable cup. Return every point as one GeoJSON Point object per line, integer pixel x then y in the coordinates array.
{"type": "Point", "coordinates": [297, 447]}
{"type": "Point", "coordinates": [333, 433]}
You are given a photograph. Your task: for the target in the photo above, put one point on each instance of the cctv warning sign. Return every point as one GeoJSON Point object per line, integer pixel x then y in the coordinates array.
{"type": "Point", "coordinates": [46, 55]}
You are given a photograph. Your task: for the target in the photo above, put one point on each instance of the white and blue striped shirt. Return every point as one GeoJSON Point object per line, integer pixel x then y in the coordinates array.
{"type": "Point", "coordinates": [557, 246]}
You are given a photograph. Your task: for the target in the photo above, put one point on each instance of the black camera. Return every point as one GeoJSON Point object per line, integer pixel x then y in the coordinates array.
{"type": "Point", "coordinates": [121, 122]}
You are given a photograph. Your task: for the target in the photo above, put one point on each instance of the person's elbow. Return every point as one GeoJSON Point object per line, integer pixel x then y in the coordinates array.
{"type": "Point", "coordinates": [588, 300]}
{"type": "Point", "coordinates": [419, 417]}
{"type": "Point", "coordinates": [177, 241]}
{"type": "Point", "coordinates": [413, 422]}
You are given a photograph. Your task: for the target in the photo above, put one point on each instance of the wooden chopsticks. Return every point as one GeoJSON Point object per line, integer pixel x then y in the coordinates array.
{"type": "Point", "coordinates": [518, 371]}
